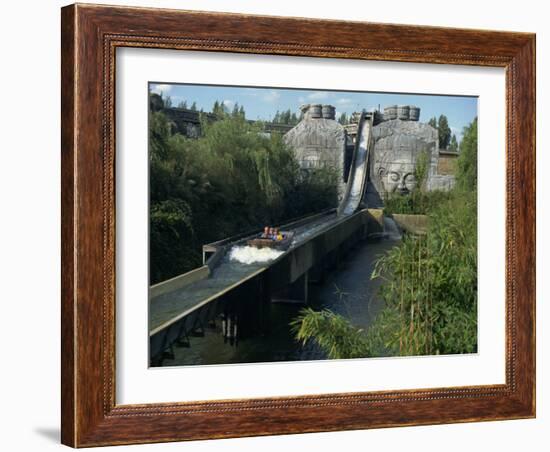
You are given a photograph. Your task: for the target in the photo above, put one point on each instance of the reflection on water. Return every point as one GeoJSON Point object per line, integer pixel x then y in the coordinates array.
{"type": "Point", "coordinates": [347, 291]}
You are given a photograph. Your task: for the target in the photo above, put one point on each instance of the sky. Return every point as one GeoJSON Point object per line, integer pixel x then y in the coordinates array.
{"type": "Point", "coordinates": [263, 103]}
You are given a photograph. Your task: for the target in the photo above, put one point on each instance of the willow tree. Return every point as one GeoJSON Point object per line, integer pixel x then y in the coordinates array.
{"type": "Point", "coordinates": [233, 178]}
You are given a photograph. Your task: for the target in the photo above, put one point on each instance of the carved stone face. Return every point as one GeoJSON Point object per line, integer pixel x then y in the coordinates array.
{"type": "Point", "coordinates": [397, 177]}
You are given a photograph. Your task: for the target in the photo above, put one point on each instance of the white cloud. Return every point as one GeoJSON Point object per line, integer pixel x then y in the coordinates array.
{"type": "Point", "coordinates": [318, 95]}
{"type": "Point", "coordinates": [161, 89]}
{"type": "Point", "coordinates": [271, 96]}
{"type": "Point", "coordinates": [228, 103]}
{"type": "Point", "coordinates": [345, 101]}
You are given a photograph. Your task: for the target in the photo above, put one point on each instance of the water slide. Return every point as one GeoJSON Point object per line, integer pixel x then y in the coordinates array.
{"type": "Point", "coordinates": [358, 173]}
{"type": "Point", "coordinates": [176, 304]}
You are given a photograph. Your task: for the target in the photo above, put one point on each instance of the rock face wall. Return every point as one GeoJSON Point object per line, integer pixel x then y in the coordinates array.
{"type": "Point", "coordinates": [318, 141]}
{"type": "Point", "coordinates": [397, 146]}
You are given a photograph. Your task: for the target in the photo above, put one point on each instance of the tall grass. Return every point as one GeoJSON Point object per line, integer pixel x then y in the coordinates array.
{"type": "Point", "coordinates": [332, 332]}
{"type": "Point", "coordinates": [429, 283]}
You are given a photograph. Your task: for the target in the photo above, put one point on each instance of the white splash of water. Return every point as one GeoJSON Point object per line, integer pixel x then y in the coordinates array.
{"type": "Point", "coordinates": [251, 254]}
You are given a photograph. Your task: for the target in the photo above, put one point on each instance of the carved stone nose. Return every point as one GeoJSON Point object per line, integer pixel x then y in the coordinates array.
{"type": "Point", "coordinates": [402, 188]}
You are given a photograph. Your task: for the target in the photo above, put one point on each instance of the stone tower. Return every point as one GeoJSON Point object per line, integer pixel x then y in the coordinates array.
{"type": "Point", "coordinates": [318, 140]}
{"type": "Point", "coordinates": [398, 142]}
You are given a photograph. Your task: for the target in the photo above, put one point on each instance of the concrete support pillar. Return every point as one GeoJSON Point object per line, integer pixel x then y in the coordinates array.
{"type": "Point", "coordinates": [317, 273]}
{"type": "Point", "coordinates": [299, 289]}
{"type": "Point", "coordinates": [264, 300]}
{"type": "Point", "coordinates": [297, 292]}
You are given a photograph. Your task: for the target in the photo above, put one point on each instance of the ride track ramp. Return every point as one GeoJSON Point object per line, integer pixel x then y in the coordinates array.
{"type": "Point", "coordinates": [178, 305]}
{"type": "Point", "coordinates": [358, 175]}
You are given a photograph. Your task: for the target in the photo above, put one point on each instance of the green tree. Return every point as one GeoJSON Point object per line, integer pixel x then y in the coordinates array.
{"type": "Point", "coordinates": [168, 102]}
{"type": "Point", "coordinates": [433, 122]}
{"type": "Point", "coordinates": [332, 333]}
{"type": "Point", "coordinates": [429, 282]}
{"type": "Point", "coordinates": [219, 109]}
{"type": "Point", "coordinates": [429, 290]}
{"type": "Point", "coordinates": [235, 112]}
{"type": "Point", "coordinates": [286, 117]}
{"type": "Point", "coordinates": [430, 285]}
{"type": "Point", "coordinates": [194, 106]}
{"type": "Point", "coordinates": [182, 104]}
{"type": "Point", "coordinates": [453, 146]}
{"type": "Point", "coordinates": [444, 132]}
{"type": "Point", "coordinates": [343, 118]}
{"type": "Point", "coordinates": [231, 179]}
{"type": "Point", "coordinates": [467, 159]}
{"type": "Point", "coordinates": [156, 102]}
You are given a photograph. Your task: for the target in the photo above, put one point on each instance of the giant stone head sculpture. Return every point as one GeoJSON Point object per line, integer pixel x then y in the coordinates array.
{"type": "Point", "coordinates": [397, 176]}
{"type": "Point", "coordinates": [397, 147]}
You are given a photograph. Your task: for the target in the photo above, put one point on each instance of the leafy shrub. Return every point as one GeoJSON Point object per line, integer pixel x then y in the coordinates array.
{"type": "Point", "coordinates": [429, 284]}
{"type": "Point", "coordinates": [230, 180]}
{"type": "Point", "coordinates": [332, 332]}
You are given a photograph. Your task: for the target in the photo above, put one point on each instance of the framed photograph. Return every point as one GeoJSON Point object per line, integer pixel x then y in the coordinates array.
{"type": "Point", "coordinates": [281, 225]}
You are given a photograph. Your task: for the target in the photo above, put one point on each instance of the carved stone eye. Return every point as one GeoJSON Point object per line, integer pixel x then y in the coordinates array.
{"type": "Point", "coordinates": [394, 176]}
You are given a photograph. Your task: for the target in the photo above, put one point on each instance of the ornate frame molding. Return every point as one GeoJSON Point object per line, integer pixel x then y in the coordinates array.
{"type": "Point", "coordinates": [90, 37]}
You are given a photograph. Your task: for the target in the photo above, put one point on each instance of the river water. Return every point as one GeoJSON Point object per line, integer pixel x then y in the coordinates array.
{"type": "Point", "coordinates": [348, 291]}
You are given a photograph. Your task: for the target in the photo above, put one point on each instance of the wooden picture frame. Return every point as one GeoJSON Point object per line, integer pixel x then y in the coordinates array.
{"type": "Point", "coordinates": [90, 36]}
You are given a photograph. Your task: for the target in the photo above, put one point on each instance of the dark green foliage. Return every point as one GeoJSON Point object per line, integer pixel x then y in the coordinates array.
{"type": "Point", "coordinates": [235, 112]}
{"type": "Point", "coordinates": [453, 146]}
{"type": "Point", "coordinates": [419, 201]}
{"type": "Point", "coordinates": [156, 102]}
{"type": "Point", "coordinates": [333, 333]}
{"type": "Point", "coordinates": [170, 223]}
{"type": "Point", "coordinates": [430, 287]}
{"type": "Point", "coordinates": [416, 203]}
{"type": "Point", "coordinates": [285, 117]}
{"type": "Point", "coordinates": [467, 160]}
{"type": "Point", "coordinates": [343, 119]}
{"type": "Point", "coordinates": [231, 180]}
{"type": "Point", "coordinates": [429, 282]}
{"type": "Point", "coordinates": [421, 170]}
{"type": "Point", "coordinates": [313, 192]}
{"type": "Point", "coordinates": [219, 109]}
{"type": "Point", "coordinates": [444, 132]}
